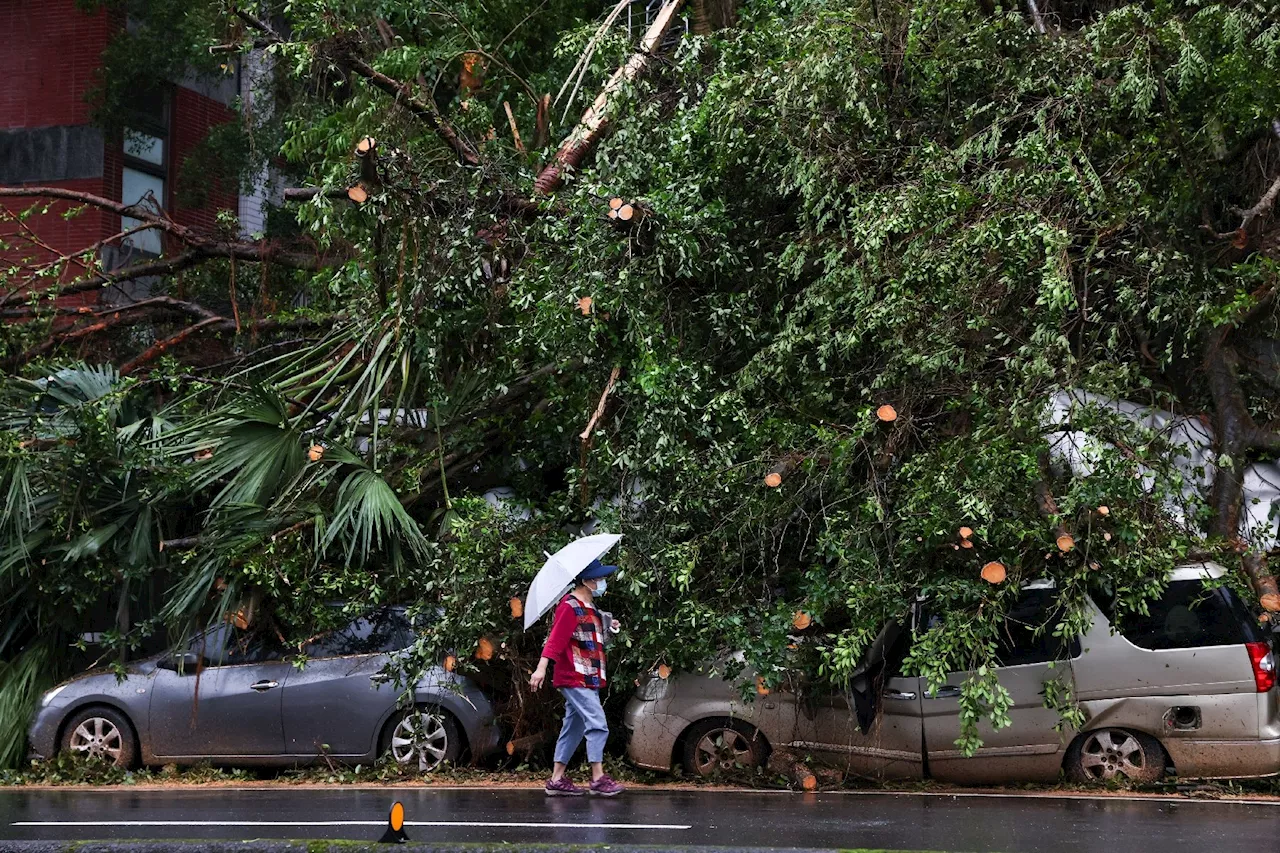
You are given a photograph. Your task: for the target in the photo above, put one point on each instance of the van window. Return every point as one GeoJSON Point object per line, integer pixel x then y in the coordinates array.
{"type": "Point", "coordinates": [1027, 635]}
{"type": "Point", "coordinates": [1189, 614]}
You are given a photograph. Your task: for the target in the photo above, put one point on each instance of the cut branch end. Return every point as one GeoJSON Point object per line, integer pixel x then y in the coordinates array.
{"type": "Point", "coordinates": [994, 572]}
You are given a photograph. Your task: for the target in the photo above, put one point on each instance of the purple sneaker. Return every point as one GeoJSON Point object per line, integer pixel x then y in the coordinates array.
{"type": "Point", "coordinates": [606, 787]}
{"type": "Point", "coordinates": [562, 787]}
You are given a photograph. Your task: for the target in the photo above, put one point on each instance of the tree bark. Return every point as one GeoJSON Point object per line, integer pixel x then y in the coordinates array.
{"type": "Point", "coordinates": [1235, 434]}
{"type": "Point", "coordinates": [595, 120]}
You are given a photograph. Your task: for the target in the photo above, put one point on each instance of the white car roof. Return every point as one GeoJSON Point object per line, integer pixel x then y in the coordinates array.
{"type": "Point", "coordinates": [1185, 572]}
{"type": "Point", "coordinates": [1197, 572]}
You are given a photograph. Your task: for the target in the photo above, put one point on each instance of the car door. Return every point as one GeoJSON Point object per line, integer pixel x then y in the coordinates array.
{"type": "Point", "coordinates": [890, 749]}
{"type": "Point", "coordinates": [228, 709]}
{"type": "Point", "coordinates": [1028, 749]}
{"type": "Point", "coordinates": [873, 729]}
{"type": "Point", "coordinates": [337, 702]}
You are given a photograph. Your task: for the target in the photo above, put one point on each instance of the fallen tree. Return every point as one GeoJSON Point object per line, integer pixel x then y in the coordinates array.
{"type": "Point", "coordinates": [819, 348]}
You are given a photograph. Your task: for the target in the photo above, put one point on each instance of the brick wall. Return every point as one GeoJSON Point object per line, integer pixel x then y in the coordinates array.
{"type": "Point", "coordinates": [48, 63]}
{"type": "Point", "coordinates": [193, 115]}
{"type": "Point", "coordinates": [50, 56]}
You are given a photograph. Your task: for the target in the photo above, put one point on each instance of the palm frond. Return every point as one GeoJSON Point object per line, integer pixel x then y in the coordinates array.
{"type": "Point", "coordinates": [89, 543]}
{"type": "Point", "coordinates": [22, 680]}
{"type": "Point", "coordinates": [83, 383]}
{"type": "Point", "coordinates": [255, 447]}
{"type": "Point", "coordinates": [369, 517]}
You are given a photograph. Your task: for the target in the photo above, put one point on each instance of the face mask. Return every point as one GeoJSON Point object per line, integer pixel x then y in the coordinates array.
{"type": "Point", "coordinates": [601, 586]}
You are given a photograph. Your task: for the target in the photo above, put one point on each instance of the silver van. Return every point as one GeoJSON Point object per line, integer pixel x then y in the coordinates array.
{"type": "Point", "coordinates": [1188, 689]}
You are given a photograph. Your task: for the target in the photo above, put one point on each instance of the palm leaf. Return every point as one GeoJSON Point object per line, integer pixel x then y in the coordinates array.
{"type": "Point", "coordinates": [368, 517]}
{"type": "Point", "coordinates": [73, 386]}
{"type": "Point", "coordinates": [22, 680]}
{"type": "Point", "coordinates": [255, 448]}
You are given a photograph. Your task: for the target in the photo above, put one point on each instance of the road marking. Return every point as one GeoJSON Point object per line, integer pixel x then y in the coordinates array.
{"type": "Point", "coordinates": [252, 823]}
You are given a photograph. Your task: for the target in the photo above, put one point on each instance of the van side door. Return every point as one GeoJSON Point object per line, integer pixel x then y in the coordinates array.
{"type": "Point", "coordinates": [1029, 749]}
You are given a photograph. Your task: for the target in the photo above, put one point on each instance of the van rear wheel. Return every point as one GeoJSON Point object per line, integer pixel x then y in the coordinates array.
{"type": "Point", "coordinates": [1105, 755]}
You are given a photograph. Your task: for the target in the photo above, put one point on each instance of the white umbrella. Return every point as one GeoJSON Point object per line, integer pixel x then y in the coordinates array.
{"type": "Point", "coordinates": [560, 570]}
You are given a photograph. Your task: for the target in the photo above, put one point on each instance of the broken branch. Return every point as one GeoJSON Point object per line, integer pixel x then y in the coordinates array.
{"type": "Point", "coordinates": [527, 744]}
{"type": "Point", "coordinates": [594, 121]}
{"type": "Point", "coordinates": [1247, 216]}
{"type": "Point", "coordinates": [424, 109]}
{"type": "Point", "coordinates": [515, 130]}
{"type": "Point", "coordinates": [782, 469]}
{"type": "Point", "coordinates": [787, 764]}
{"type": "Point", "coordinates": [604, 398]}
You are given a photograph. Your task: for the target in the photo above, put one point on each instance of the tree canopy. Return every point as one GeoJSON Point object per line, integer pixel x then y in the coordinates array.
{"type": "Point", "coordinates": [948, 208]}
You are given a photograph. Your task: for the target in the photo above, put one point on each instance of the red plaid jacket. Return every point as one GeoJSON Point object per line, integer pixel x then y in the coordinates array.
{"type": "Point", "coordinates": [576, 645]}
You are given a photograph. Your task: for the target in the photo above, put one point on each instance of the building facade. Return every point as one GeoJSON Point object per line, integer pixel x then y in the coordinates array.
{"type": "Point", "coordinates": [48, 65]}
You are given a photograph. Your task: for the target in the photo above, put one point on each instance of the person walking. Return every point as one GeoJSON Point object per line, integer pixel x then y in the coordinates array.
{"type": "Point", "coordinates": [576, 646]}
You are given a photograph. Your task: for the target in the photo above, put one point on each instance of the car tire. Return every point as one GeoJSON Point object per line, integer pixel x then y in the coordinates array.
{"type": "Point", "coordinates": [101, 732]}
{"type": "Point", "coordinates": [716, 747]}
{"type": "Point", "coordinates": [1107, 755]}
{"type": "Point", "coordinates": [427, 735]}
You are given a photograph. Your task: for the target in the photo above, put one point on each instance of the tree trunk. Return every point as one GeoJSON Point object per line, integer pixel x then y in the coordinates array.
{"type": "Point", "coordinates": [787, 764]}
{"type": "Point", "coordinates": [707, 16]}
{"type": "Point", "coordinates": [1235, 434]}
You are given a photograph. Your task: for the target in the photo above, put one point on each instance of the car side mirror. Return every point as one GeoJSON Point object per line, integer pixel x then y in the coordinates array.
{"type": "Point", "coordinates": [182, 662]}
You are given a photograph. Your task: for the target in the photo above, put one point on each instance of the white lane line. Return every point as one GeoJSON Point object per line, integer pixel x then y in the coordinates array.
{"type": "Point", "coordinates": [251, 823]}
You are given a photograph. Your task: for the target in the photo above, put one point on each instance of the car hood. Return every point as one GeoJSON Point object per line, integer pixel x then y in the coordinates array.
{"type": "Point", "coordinates": [146, 666]}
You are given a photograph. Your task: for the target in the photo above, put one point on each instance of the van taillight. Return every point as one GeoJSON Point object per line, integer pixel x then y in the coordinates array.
{"type": "Point", "coordinates": [1264, 665]}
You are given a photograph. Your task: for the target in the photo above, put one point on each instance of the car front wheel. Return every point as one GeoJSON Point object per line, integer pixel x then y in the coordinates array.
{"type": "Point", "coordinates": [1114, 754]}
{"type": "Point", "coordinates": [716, 747]}
{"type": "Point", "coordinates": [425, 738]}
{"type": "Point", "coordinates": [101, 733]}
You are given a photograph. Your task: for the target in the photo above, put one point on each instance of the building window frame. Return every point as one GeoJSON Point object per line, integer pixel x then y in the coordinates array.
{"type": "Point", "coordinates": [150, 169]}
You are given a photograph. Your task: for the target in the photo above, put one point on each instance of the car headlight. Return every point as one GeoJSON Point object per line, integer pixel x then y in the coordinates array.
{"type": "Point", "coordinates": [49, 697]}
{"type": "Point", "coordinates": [651, 689]}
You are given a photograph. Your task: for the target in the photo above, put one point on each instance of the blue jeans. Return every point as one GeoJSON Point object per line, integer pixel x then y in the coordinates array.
{"type": "Point", "coordinates": [583, 716]}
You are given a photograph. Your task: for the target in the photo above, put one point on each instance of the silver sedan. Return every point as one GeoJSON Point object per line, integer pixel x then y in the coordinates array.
{"type": "Point", "coordinates": [229, 699]}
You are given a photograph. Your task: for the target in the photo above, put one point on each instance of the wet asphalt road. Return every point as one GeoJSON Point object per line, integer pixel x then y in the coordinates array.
{"type": "Point", "coordinates": [664, 818]}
